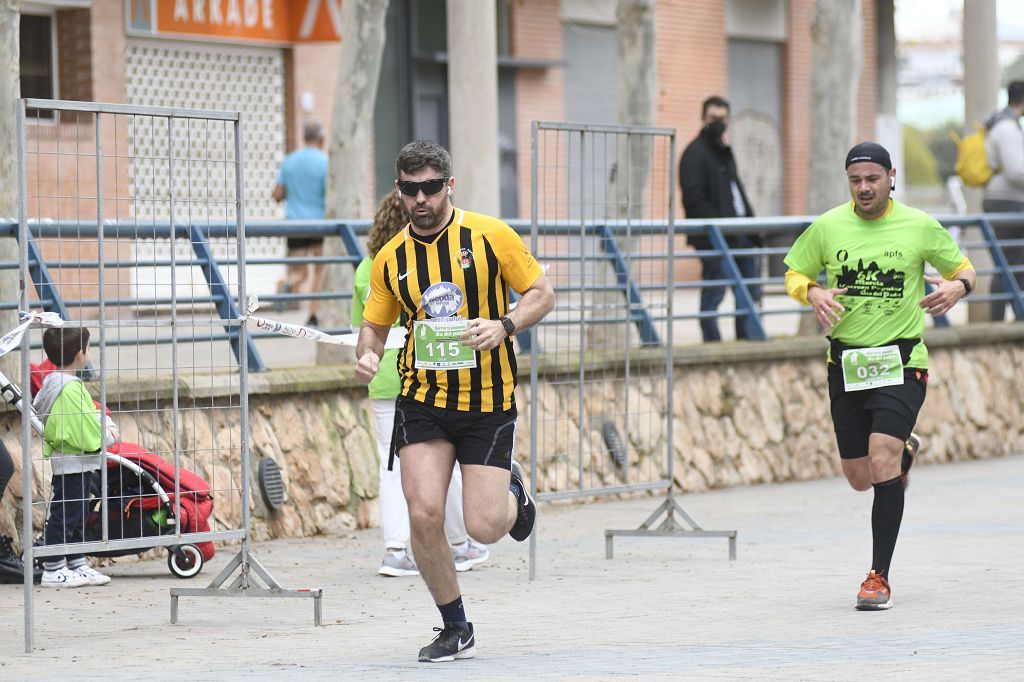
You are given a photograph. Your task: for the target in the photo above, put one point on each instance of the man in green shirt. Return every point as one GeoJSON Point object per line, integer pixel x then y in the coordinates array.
{"type": "Point", "coordinates": [874, 250]}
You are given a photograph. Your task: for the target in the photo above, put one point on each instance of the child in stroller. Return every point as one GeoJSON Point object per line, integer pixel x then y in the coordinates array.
{"type": "Point", "coordinates": [141, 498]}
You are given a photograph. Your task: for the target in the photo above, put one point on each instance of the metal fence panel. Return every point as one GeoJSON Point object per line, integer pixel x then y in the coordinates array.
{"type": "Point", "coordinates": [602, 426]}
{"type": "Point", "coordinates": [186, 403]}
{"type": "Point", "coordinates": [602, 423]}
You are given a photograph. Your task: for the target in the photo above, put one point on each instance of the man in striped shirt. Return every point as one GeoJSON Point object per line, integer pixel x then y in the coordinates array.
{"type": "Point", "coordinates": [447, 274]}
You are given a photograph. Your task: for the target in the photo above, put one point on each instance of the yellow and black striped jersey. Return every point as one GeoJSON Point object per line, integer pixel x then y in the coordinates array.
{"type": "Point", "coordinates": [465, 271]}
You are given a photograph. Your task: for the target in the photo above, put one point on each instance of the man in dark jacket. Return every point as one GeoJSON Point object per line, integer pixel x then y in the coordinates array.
{"type": "Point", "coordinates": [711, 188]}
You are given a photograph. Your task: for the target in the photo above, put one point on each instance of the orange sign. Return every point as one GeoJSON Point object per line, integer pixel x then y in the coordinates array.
{"type": "Point", "coordinates": [277, 21]}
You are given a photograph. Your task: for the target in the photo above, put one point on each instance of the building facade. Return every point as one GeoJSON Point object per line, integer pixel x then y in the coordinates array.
{"type": "Point", "coordinates": [276, 61]}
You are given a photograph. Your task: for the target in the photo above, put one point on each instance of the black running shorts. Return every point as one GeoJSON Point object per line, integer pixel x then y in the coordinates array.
{"type": "Point", "coordinates": [891, 410]}
{"type": "Point", "coordinates": [479, 437]}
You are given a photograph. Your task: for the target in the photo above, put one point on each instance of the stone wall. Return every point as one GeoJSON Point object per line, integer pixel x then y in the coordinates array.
{"type": "Point", "coordinates": [746, 413]}
{"type": "Point", "coordinates": [762, 421]}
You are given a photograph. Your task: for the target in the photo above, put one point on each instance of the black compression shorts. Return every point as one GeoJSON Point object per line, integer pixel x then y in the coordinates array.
{"type": "Point", "coordinates": [891, 410]}
{"type": "Point", "coordinates": [479, 437]}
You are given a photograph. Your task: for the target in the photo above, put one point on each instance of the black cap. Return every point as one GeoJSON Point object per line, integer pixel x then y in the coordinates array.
{"type": "Point", "coordinates": [869, 151]}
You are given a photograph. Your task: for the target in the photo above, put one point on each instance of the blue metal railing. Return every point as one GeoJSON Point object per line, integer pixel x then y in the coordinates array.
{"type": "Point", "coordinates": [350, 232]}
{"type": "Point", "coordinates": [199, 237]}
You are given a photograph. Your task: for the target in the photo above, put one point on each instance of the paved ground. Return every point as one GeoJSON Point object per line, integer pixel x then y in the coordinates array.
{"type": "Point", "coordinates": [662, 609]}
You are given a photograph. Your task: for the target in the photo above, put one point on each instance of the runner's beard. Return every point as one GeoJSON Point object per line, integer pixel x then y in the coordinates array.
{"type": "Point", "coordinates": [424, 221]}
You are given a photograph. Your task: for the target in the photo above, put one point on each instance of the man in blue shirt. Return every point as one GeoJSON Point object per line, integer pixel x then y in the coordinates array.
{"type": "Point", "coordinates": [302, 185]}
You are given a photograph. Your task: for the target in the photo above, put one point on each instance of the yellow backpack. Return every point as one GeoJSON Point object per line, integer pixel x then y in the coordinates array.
{"type": "Point", "coordinates": [971, 158]}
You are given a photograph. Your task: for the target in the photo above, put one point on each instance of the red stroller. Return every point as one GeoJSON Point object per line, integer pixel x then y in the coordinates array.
{"type": "Point", "coordinates": [141, 503]}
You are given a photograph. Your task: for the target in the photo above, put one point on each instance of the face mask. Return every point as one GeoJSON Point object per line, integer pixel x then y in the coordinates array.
{"type": "Point", "coordinates": [715, 129]}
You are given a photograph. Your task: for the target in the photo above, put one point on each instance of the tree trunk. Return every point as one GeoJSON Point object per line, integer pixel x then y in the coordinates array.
{"type": "Point", "coordinates": [349, 167]}
{"type": "Point", "coordinates": [10, 93]}
{"type": "Point", "coordinates": [887, 123]}
{"type": "Point", "coordinates": [836, 58]}
{"type": "Point", "coordinates": [638, 87]}
{"type": "Point", "coordinates": [473, 104]}
{"type": "Point", "coordinates": [981, 92]}
{"type": "Point", "coordinates": [630, 175]}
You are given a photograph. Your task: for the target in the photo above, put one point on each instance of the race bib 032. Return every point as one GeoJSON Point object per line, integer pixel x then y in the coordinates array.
{"type": "Point", "coordinates": [865, 368]}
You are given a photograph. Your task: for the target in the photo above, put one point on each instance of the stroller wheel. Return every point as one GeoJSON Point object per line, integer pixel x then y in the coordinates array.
{"type": "Point", "coordinates": [185, 561]}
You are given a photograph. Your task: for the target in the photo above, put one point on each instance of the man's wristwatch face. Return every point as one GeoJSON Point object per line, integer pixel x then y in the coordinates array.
{"type": "Point", "coordinates": [509, 325]}
{"type": "Point", "coordinates": [967, 286]}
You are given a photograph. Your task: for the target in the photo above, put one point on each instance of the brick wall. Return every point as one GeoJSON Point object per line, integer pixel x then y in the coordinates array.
{"type": "Point", "coordinates": [796, 91]}
{"type": "Point", "coordinates": [108, 47]}
{"type": "Point", "coordinates": [91, 66]}
{"type": "Point", "coordinates": [867, 92]}
{"type": "Point", "coordinates": [74, 54]}
{"type": "Point", "coordinates": [692, 59]}
{"type": "Point", "coordinates": [536, 33]}
{"type": "Point", "coordinates": [312, 67]}
{"type": "Point", "coordinates": [692, 64]}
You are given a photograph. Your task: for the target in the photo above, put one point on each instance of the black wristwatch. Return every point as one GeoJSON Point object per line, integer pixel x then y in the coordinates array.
{"type": "Point", "coordinates": [509, 325]}
{"type": "Point", "coordinates": [967, 287]}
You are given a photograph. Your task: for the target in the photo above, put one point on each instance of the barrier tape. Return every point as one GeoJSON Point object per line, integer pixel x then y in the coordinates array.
{"type": "Point", "coordinates": [12, 339]}
{"type": "Point", "coordinates": [396, 336]}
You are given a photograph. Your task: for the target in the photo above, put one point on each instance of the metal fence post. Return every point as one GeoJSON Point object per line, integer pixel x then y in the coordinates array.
{"type": "Point", "coordinates": [605, 421]}
{"type": "Point", "coordinates": [222, 297]}
{"type": "Point", "coordinates": [638, 311]}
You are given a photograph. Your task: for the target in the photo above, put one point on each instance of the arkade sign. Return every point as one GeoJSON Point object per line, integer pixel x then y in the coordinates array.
{"type": "Point", "coordinates": [276, 21]}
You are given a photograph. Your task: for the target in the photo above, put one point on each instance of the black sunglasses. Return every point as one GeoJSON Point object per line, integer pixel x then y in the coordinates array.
{"type": "Point", "coordinates": [428, 187]}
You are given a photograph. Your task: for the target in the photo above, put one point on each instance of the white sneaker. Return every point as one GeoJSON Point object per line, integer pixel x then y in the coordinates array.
{"type": "Point", "coordinates": [93, 576]}
{"type": "Point", "coordinates": [469, 555]}
{"type": "Point", "coordinates": [63, 577]}
{"type": "Point", "coordinates": [397, 566]}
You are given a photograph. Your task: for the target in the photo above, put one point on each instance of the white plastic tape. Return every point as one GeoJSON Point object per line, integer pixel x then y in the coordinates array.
{"type": "Point", "coordinates": [396, 336]}
{"type": "Point", "coordinates": [12, 339]}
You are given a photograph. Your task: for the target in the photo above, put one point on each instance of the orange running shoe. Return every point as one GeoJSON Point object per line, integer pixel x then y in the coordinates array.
{"type": "Point", "coordinates": [910, 450]}
{"type": "Point", "coordinates": [874, 594]}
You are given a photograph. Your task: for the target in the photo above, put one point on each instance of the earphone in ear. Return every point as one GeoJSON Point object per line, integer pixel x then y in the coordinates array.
{"type": "Point", "coordinates": [892, 184]}
{"type": "Point", "coordinates": [449, 191]}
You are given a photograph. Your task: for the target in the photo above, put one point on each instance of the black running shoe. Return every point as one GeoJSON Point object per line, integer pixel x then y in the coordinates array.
{"type": "Point", "coordinates": [454, 641]}
{"type": "Point", "coordinates": [11, 569]}
{"type": "Point", "coordinates": [527, 515]}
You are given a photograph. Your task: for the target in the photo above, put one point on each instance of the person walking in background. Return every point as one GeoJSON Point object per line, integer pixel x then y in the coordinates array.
{"type": "Point", "coordinates": [711, 188]}
{"type": "Point", "coordinates": [873, 250]}
{"type": "Point", "coordinates": [389, 220]}
{"type": "Point", "coordinates": [1004, 193]}
{"type": "Point", "coordinates": [302, 185]}
{"type": "Point", "coordinates": [448, 274]}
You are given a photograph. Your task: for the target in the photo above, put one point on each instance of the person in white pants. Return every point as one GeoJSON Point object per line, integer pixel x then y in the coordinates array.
{"type": "Point", "coordinates": [391, 218]}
